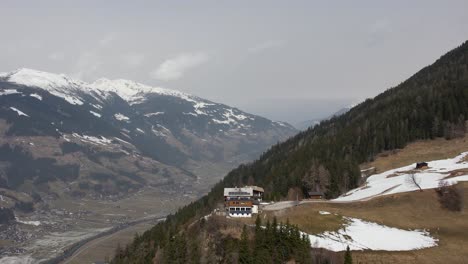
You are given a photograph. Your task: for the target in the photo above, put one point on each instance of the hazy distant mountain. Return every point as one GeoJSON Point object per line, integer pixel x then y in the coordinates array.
{"type": "Point", "coordinates": [114, 136]}
{"type": "Point", "coordinates": [308, 123]}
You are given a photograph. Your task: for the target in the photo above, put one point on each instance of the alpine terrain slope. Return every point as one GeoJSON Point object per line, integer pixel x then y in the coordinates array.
{"type": "Point", "coordinates": [431, 105]}
{"type": "Point", "coordinates": [67, 147]}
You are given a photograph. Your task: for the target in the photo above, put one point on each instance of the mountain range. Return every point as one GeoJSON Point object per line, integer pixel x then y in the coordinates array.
{"type": "Point", "coordinates": [65, 137]}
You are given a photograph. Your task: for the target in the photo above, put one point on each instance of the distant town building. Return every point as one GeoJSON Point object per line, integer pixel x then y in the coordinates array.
{"type": "Point", "coordinates": [242, 202]}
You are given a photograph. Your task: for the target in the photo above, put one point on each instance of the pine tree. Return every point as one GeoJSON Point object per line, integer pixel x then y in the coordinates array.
{"type": "Point", "coordinates": [244, 252]}
{"type": "Point", "coordinates": [348, 259]}
{"type": "Point", "coordinates": [258, 225]}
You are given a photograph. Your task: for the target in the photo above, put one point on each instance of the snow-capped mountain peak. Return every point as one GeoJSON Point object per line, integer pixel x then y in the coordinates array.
{"type": "Point", "coordinates": [45, 80]}
{"type": "Point", "coordinates": [56, 84]}
{"type": "Point", "coordinates": [147, 98]}
{"type": "Point", "coordinates": [134, 92]}
{"type": "Point", "coordinates": [71, 89]}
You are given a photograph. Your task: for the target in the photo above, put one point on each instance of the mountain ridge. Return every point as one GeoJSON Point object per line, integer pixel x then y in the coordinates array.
{"type": "Point", "coordinates": [125, 121]}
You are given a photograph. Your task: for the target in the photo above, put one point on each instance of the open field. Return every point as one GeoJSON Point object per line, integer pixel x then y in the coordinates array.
{"type": "Point", "coordinates": [419, 151]}
{"type": "Point", "coordinates": [414, 210]}
{"type": "Point", "coordinates": [311, 223]}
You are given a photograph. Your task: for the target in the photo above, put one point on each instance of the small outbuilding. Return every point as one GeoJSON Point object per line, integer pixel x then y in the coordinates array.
{"type": "Point", "coordinates": [316, 195]}
{"type": "Point", "coordinates": [422, 165]}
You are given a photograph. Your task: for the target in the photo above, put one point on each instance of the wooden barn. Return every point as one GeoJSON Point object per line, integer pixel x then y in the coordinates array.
{"type": "Point", "coordinates": [422, 165]}
{"type": "Point", "coordinates": [316, 195]}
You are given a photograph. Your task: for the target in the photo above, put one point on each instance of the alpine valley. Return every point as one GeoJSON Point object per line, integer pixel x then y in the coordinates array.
{"type": "Point", "coordinates": [73, 153]}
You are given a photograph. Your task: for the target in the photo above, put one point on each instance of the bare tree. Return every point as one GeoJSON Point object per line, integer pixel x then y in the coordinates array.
{"type": "Point", "coordinates": [414, 180]}
{"type": "Point", "coordinates": [449, 196]}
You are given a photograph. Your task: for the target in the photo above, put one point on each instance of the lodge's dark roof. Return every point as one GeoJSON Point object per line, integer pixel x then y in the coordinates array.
{"type": "Point", "coordinates": [315, 193]}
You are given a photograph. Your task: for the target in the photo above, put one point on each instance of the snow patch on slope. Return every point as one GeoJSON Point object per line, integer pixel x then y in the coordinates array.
{"type": "Point", "coordinates": [154, 114]}
{"type": "Point", "coordinates": [200, 105]}
{"type": "Point", "coordinates": [35, 95]}
{"type": "Point", "coordinates": [97, 106]}
{"type": "Point", "coordinates": [95, 114]}
{"type": "Point", "coordinates": [230, 117]}
{"type": "Point", "coordinates": [17, 260]}
{"type": "Point", "coordinates": [121, 117]}
{"type": "Point", "coordinates": [20, 113]}
{"type": "Point", "coordinates": [396, 180]}
{"type": "Point", "coordinates": [362, 235]}
{"type": "Point", "coordinates": [91, 139]}
{"type": "Point", "coordinates": [9, 91]}
{"type": "Point", "coordinates": [34, 223]}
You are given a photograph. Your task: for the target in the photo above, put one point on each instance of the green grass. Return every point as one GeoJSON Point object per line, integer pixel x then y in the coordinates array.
{"type": "Point", "coordinates": [311, 222]}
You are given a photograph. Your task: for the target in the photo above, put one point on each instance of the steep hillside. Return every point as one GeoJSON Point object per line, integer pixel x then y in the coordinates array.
{"type": "Point", "coordinates": [432, 103]}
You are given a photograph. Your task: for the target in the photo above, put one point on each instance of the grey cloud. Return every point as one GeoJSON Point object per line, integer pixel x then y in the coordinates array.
{"type": "Point", "coordinates": [271, 44]}
{"type": "Point", "coordinates": [133, 59]}
{"type": "Point", "coordinates": [174, 68]}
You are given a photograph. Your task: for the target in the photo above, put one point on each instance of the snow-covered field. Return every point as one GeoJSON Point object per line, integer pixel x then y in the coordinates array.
{"type": "Point", "coordinates": [362, 235]}
{"type": "Point", "coordinates": [17, 260]}
{"type": "Point", "coordinates": [397, 180]}
{"type": "Point", "coordinates": [34, 223]}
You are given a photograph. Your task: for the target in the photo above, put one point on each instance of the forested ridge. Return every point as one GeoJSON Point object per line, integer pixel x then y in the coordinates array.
{"type": "Point", "coordinates": [432, 103]}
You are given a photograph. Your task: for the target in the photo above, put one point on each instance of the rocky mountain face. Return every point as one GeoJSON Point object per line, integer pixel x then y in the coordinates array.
{"type": "Point", "coordinates": [64, 137]}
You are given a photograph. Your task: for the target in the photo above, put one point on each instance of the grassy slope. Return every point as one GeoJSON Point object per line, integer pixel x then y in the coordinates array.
{"type": "Point", "coordinates": [415, 210]}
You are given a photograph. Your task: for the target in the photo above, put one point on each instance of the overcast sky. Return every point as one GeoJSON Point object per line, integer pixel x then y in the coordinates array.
{"type": "Point", "coordinates": [286, 60]}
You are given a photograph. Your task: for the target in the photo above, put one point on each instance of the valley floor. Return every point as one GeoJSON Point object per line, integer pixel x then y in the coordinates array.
{"type": "Point", "coordinates": [68, 222]}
